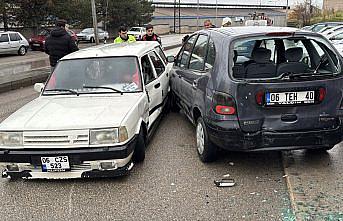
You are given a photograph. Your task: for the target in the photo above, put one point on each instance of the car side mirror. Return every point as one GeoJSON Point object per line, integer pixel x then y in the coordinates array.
{"type": "Point", "coordinates": [170, 59]}
{"type": "Point", "coordinates": [305, 60]}
{"type": "Point", "coordinates": [38, 87]}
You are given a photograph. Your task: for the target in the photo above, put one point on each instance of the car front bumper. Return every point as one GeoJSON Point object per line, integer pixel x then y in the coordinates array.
{"type": "Point", "coordinates": [236, 140]}
{"type": "Point", "coordinates": [84, 163]}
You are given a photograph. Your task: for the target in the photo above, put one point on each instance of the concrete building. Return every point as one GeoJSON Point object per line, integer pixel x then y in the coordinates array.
{"type": "Point", "coordinates": [188, 17]}
{"type": "Point", "coordinates": [332, 4]}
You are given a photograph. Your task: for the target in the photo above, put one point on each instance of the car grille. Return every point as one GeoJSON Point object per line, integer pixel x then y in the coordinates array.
{"type": "Point", "coordinates": [56, 138]}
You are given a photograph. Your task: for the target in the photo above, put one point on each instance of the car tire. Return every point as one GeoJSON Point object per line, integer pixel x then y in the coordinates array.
{"type": "Point", "coordinates": [173, 103]}
{"type": "Point", "coordinates": [207, 151]}
{"type": "Point", "coordinates": [22, 51]}
{"type": "Point", "coordinates": [92, 40]}
{"type": "Point", "coordinates": [139, 152]}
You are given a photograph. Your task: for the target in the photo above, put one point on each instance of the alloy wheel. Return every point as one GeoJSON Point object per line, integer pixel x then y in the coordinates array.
{"type": "Point", "coordinates": [200, 138]}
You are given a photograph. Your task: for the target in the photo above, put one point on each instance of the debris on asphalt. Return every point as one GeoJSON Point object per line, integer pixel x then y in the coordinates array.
{"type": "Point", "coordinates": [252, 193]}
{"type": "Point", "coordinates": [284, 176]}
{"type": "Point", "coordinates": [226, 175]}
{"type": "Point", "coordinates": [231, 163]}
{"type": "Point", "coordinates": [225, 182]}
{"type": "Point", "coordinates": [172, 184]}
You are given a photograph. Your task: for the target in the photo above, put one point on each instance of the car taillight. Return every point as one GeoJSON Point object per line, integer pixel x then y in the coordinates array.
{"type": "Point", "coordinates": [223, 104]}
{"type": "Point", "coordinates": [322, 93]}
{"type": "Point", "coordinates": [259, 97]}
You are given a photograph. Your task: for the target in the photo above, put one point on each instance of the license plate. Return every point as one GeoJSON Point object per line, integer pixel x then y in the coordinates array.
{"type": "Point", "coordinates": [36, 45]}
{"type": "Point", "coordinates": [289, 98]}
{"type": "Point", "coordinates": [55, 164]}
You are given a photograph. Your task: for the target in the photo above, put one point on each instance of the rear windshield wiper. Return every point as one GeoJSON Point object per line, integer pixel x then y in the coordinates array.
{"type": "Point", "coordinates": [291, 75]}
{"type": "Point", "coordinates": [63, 89]}
{"type": "Point", "coordinates": [100, 87]}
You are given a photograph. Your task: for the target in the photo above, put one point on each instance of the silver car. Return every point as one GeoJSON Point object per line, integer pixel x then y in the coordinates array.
{"type": "Point", "coordinates": [13, 42]}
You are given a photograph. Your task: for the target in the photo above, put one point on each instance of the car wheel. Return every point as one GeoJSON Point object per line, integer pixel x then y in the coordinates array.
{"type": "Point", "coordinates": [22, 51]}
{"type": "Point", "coordinates": [206, 150]}
{"type": "Point", "coordinates": [173, 103]}
{"type": "Point", "coordinates": [92, 40]}
{"type": "Point", "coordinates": [139, 152]}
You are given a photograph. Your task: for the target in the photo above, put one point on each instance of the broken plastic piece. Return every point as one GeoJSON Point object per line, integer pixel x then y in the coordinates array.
{"type": "Point", "coordinates": [225, 182]}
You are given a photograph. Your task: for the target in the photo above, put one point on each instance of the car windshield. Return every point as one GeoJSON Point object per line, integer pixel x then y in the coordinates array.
{"type": "Point", "coordinates": [284, 57]}
{"type": "Point", "coordinates": [95, 75]}
{"type": "Point", "coordinates": [135, 29]}
{"type": "Point", "coordinates": [87, 30]}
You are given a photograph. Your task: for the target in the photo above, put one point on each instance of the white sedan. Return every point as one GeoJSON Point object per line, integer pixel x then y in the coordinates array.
{"type": "Point", "coordinates": [94, 115]}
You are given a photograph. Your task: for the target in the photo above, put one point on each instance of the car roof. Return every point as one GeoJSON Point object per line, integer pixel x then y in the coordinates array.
{"type": "Point", "coordinates": [7, 32]}
{"type": "Point", "coordinates": [112, 50]}
{"type": "Point", "coordinates": [247, 30]}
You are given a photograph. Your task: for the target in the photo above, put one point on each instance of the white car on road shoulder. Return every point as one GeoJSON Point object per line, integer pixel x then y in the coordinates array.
{"type": "Point", "coordinates": [88, 35]}
{"type": "Point", "coordinates": [94, 115]}
{"type": "Point", "coordinates": [137, 32]}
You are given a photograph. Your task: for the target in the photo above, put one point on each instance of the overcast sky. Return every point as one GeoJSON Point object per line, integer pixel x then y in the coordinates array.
{"type": "Point", "coordinates": [264, 2]}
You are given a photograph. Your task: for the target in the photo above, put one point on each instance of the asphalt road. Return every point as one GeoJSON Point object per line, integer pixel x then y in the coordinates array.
{"type": "Point", "coordinates": [172, 183]}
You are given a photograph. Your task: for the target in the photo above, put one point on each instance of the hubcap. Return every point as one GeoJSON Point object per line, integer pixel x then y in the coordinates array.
{"type": "Point", "coordinates": [200, 138]}
{"type": "Point", "coordinates": [22, 50]}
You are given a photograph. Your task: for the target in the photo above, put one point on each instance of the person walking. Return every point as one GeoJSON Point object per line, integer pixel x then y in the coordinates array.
{"type": "Point", "coordinates": [150, 35]}
{"type": "Point", "coordinates": [59, 43]}
{"type": "Point", "coordinates": [208, 24]}
{"type": "Point", "coordinates": [123, 36]}
{"type": "Point", "coordinates": [226, 22]}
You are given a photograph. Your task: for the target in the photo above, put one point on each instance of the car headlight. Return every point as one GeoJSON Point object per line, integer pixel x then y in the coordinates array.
{"type": "Point", "coordinates": [108, 136]}
{"type": "Point", "coordinates": [11, 138]}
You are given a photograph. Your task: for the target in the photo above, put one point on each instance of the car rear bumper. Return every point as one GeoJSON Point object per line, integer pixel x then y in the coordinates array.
{"type": "Point", "coordinates": [84, 163]}
{"type": "Point", "coordinates": [236, 140]}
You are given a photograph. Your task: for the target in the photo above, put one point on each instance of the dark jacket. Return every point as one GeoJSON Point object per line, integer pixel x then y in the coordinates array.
{"type": "Point", "coordinates": [153, 37]}
{"type": "Point", "coordinates": [59, 44]}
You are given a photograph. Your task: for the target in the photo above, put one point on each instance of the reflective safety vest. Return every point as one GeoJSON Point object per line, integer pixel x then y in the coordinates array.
{"type": "Point", "coordinates": [129, 40]}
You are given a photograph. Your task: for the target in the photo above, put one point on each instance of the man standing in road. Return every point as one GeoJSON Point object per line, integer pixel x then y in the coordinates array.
{"type": "Point", "coordinates": [123, 36]}
{"type": "Point", "coordinates": [150, 35]}
{"type": "Point", "coordinates": [208, 24]}
{"type": "Point", "coordinates": [59, 43]}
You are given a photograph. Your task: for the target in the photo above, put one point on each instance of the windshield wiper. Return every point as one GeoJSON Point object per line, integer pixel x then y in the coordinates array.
{"type": "Point", "coordinates": [292, 75]}
{"type": "Point", "coordinates": [63, 89]}
{"type": "Point", "coordinates": [110, 88]}
{"type": "Point", "coordinates": [321, 61]}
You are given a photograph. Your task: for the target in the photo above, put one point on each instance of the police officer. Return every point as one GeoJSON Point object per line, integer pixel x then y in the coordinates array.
{"type": "Point", "coordinates": [123, 36]}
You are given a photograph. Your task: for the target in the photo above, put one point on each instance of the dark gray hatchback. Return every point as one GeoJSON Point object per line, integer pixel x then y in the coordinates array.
{"type": "Point", "coordinates": [259, 88]}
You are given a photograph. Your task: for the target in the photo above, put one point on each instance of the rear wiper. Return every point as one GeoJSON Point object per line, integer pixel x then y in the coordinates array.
{"type": "Point", "coordinates": [63, 89]}
{"type": "Point", "coordinates": [291, 75]}
{"type": "Point", "coordinates": [321, 61]}
{"type": "Point", "coordinates": [110, 88]}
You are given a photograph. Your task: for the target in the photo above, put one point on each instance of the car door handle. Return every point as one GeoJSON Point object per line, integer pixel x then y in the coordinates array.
{"type": "Point", "coordinates": [195, 85]}
{"type": "Point", "coordinates": [157, 85]}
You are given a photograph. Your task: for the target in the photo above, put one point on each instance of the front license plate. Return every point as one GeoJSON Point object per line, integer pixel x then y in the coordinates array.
{"type": "Point", "coordinates": [55, 164]}
{"type": "Point", "coordinates": [36, 45]}
{"type": "Point", "coordinates": [290, 98]}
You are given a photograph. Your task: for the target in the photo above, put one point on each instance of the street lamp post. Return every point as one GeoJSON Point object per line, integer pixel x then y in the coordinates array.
{"type": "Point", "coordinates": [216, 12]}
{"type": "Point", "coordinates": [286, 12]}
{"type": "Point", "coordinates": [197, 14]}
{"type": "Point", "coordinates": [95, 23]}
